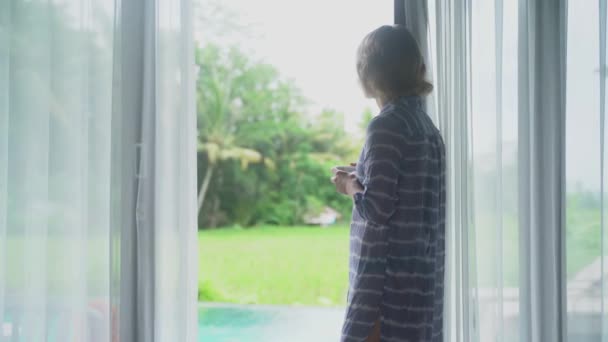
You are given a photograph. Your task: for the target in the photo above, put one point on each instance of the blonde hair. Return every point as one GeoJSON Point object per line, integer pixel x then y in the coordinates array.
{"type": "Point", "coordinates": [389, 64]}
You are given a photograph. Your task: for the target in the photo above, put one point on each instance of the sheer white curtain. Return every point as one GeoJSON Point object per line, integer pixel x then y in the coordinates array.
{"type": "Point", "coordinates": [97, 171]}
{"type": "Point", "coordinates": [55, 133]}
{"type": "Point", "coordinates": [500, 74]}
{"type": "Point", "coordinates": [587, 234]}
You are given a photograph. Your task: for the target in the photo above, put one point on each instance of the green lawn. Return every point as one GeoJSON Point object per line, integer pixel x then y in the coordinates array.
{"type": "Point", "coordinates": [308, 265]}
{"type": "Point", "coordinates": [583, 237]}
{"type": "Point", "coordinates": [295, 265]}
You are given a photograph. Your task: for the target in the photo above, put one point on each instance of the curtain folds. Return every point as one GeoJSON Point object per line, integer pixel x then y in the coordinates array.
{"type": "Point", "coordinates": [586, 243]}
{"type": "Point", "coordinates": [55, 128]}
{"type": "Point", "coordinates": [446, 39]}
{"type": "Point", "coordinates": [542, 110]}
{"type": "Point", "coordinates": [499, 69]}
{"type": "Point", "coordinates": [156, 179]}
{"type": "Point", "coordinates": [97, 171]}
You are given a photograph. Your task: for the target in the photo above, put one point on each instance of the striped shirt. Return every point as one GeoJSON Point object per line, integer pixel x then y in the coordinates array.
{"type": "Point", "coordinates": [397, 247]}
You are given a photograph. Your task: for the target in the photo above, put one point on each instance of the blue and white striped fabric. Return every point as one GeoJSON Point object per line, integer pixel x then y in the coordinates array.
{"type": "Point", "coordinates": [397, 246]}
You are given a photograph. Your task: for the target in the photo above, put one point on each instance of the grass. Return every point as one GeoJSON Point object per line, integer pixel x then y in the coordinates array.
{"type": "Point", "coordinates": [308, 265]}
{"type": "Point", "coordinates": [583, 237]}
{"type": "Point", "coordinates": [270, 265]}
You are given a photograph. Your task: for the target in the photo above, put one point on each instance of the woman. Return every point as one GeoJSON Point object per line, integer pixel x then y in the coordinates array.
{"type": "Point", "coordinates": [397, 233]}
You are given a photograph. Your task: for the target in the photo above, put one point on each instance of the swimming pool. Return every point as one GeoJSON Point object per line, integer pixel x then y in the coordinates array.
{"type": "Point", "coordinates": [216, 323]}
{"type": "Point", "coordinates": [236, 323]}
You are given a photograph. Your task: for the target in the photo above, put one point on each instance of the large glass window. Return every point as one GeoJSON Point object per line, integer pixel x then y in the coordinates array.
{"type": "Point", "coordinates": [279, 104]}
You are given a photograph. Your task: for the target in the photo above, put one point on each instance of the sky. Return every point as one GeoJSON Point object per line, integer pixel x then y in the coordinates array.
{"type": "Point", "coordinates": [314, 42]}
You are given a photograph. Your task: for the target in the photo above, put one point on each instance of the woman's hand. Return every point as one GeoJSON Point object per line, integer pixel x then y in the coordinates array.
{"type": "Point", "coordinates": [346, 183]}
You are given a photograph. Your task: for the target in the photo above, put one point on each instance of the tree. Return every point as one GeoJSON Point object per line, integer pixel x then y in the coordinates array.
{"type": "Point", "coordinates": [220, 105]}
{"type": "Point", "coordinates": [366, 118]}
{"type": "Point", "coordinates": [262, 159]}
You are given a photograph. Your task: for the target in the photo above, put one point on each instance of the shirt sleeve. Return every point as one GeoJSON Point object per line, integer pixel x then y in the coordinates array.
{"type": "Point", "coordinates": [376, 204]}
{"type": "Point", "coordinates": [377, 201]}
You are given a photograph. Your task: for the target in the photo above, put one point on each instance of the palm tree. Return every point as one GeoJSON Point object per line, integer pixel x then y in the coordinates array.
{"type": "Point", "coordinates": [219, 108]}
{"type": "Point", "coordinates": [220, 151]}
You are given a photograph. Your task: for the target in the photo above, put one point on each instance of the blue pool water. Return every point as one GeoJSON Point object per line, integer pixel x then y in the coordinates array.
{"type": "Point", "coordinates": [217, 323]}
{"type": "Point", "coordinates": [228, 323]}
